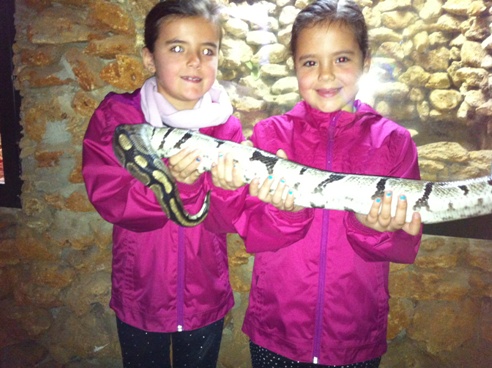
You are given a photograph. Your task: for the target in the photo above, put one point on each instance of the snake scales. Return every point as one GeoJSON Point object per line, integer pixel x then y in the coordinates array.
{"type": "Point", "coordinates": [141, 147]}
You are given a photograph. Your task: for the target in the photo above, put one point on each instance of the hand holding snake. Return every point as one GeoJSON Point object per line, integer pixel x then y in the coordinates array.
{"type": "Point", "coordinates": [278, 196]}
{"type": "Point", "coordinates": [228, 175]}
{"type": "Point", "coordinates": [184, 166]}
{"type": "Point", "coordinates": [379, 217]}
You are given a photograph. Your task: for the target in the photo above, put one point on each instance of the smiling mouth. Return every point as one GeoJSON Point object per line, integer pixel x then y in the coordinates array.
{"type": "Point", "coordinates": [328, 92]}
{"type": "Point", "coordinates": [192, 79]}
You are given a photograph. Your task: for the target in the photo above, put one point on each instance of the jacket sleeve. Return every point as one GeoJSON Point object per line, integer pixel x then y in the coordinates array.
{"type": "Point", "coordinates": [225, 205]}
{"type": "Point", "coordinates": [116, 195]}
{"type": "Point", "coordinates": [262, 226]}
{"type": "Point", "coordinates": [398, 246]}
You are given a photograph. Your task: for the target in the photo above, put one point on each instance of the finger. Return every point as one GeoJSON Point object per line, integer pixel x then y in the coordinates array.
{"type": "Point", "coordinates": [237, 176]}
{"type": "Point", "coordinates": [413, 228]}
{"type": "Point", "coordinates": [401, 213]}
{"type": "Point", "coordinates": [178, 157]}
{"type": "Point", "coordinates": [174, 159]}
{"type": "Point", "coordinates": [220, 167]}
{"type": "Point", "coordinates": [384, 217]}
{"type": "Point", "coordinates": [264, 190]}
{"type": "Point", "coordinates": [372, 216]}
{"type": "Point", "coordinates": [230, 175]}
{"type": "Point", "coordinates": [218, 172]}
{"type": "Point", "coordinates": [183, 159]}
{"type": "Point", "coordinates": [289, 201]}
{"type": "Point", "coordinates": [254, 187]}
{"type": "Point", "coordinates": [278, 194]}
{"type": "Point", "coordinates": [228, 167]}
{"type": "Point", "coordinates": [215, 174]}
{"type": "Point", "coordinates": [214, 169]}
{"type": "Point", "coordinates": [247, 143]}
{"type": "Point", "coordinates": [186, 176]}
{"type": "Point", "coordinates": [281, 153]}
{"type": "Point", "coordinates": [191, 165]}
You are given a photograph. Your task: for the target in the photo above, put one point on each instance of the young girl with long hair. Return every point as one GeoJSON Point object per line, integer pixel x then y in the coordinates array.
{"type": "Point", "coordinates": [323, 301]}
{"type": "Point", "coordinates": [170, 284]}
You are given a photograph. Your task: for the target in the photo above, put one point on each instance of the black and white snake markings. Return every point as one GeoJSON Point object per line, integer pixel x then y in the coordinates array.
{"type": "Point", "coordinates": [140, 148]}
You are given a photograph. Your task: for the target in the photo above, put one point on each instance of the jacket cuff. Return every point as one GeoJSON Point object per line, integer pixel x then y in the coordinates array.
{"type": "Point", "coordinates": [355, 225]}
{"type": "Point", "coordinates": [297, 216]}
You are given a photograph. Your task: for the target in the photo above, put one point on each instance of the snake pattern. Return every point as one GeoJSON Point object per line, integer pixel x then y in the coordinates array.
{"type": "Point", "coordinates": [141, 148]}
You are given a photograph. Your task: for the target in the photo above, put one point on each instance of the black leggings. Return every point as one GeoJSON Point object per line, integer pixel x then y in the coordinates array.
{"type": "Point", "coordinates": [264, 358]}
{"type": "Point", "coordinates": [192, 349]}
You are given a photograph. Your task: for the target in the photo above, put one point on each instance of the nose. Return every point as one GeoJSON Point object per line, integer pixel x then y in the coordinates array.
{"type": "Point", "coordinates": [326, 73]}
{"type": "Point", "coordinates": [194, 60]}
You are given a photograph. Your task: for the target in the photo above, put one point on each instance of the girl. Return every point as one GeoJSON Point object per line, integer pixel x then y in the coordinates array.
{"type": "Point", "coordinates": [170, 285]}
{"type": "Point", "coordinates": [323, 301]}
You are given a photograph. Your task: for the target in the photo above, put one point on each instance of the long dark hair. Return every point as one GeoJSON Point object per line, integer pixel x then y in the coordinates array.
{"type": "Point", "coordinates": [167, 9]}
{"type": "Point", "coordinates": [345, 12]}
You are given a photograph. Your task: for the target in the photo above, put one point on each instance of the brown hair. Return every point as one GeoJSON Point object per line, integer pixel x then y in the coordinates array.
{"type": "Point", "coordinates": [169, 9]}
{"type": "Point", "coordinates": [345, 12]}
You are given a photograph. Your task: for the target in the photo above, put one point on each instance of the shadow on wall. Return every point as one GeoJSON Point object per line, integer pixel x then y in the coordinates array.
{"type": "Point", "coordinates": [474, 228]}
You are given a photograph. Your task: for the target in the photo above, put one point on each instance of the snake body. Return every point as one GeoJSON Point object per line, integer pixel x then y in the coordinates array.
{"type": "Point", "coordinates": [140, 148]}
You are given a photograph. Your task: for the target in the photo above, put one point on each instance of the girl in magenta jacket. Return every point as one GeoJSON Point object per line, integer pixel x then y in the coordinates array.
{"type": "Point", "coordinates": [169, 283]}
{"type": "Point", "coordinates": [323, 301]}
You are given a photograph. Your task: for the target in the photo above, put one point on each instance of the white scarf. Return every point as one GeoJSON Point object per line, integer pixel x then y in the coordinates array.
{"type": "Point", "coordinates": [213, 109]}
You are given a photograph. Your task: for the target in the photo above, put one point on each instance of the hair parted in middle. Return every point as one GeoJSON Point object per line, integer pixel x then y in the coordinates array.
{"type": "Point", "coordinates": [327, 12]}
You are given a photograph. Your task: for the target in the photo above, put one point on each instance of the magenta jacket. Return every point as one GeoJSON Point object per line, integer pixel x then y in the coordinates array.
{"type": "Point", "coordinates": [324, 299]}
{"type": "Point", "coordinates": [165, 278]}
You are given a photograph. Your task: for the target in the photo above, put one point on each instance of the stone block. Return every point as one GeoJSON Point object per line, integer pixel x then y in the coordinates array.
{"type": "Point", "coordinates": [125, 73]}
{"type": "Point", "coordinates": [110, 47]}
{"type": "Point", "coordinates": [86, 68]}
{"type": "Point", "coordinates": [113, 16]}
{"type": "Point", "coordinates": [444, 326]}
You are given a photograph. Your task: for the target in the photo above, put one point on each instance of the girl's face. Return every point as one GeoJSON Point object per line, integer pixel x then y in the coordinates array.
{"type": "Point", "coordinates": [329, 63]}
{"type": "Point", "coordinates": [185, 60]}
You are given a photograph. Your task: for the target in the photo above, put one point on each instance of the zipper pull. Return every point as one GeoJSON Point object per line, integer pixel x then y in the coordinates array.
{"type": "Point", "coordinates": [180, 328]}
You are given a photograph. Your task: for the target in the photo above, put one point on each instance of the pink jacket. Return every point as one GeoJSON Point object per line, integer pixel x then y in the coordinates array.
{"type": "Point", "coordinates": [165, 278]}
{"type": "Point", "coordinates": [325, 298]}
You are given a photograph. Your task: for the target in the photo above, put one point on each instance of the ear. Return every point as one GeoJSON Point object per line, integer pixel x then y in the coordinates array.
{"type": "Point", "coordinates": [148, 60]}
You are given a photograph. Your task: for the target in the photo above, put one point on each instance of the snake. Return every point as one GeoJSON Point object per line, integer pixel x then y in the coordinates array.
{"type": "Point", "coordinates": [143, 148]}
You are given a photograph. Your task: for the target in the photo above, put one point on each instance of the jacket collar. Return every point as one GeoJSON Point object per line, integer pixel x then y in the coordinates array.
{"type": "Point", "coordinates": [318, 119]}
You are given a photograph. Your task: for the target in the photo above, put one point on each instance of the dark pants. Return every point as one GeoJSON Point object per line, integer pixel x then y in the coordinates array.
{"type": "Point", "coordinates": [263, 358]}
{"type": "Point", "coordinates": [192, 349]}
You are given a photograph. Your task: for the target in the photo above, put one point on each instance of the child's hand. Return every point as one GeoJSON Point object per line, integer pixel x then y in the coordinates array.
{"type": "Point", "coordinates": [226, 174]}
{"type": "Point", "coordinates": [184, 166]}
{"type": "Point", "coordinates": [275, 197]}
{"type": "Point", "coordinates": [379, 217]}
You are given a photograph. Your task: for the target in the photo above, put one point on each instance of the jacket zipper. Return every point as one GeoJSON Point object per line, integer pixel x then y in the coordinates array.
{"type": "Point", "coordinates": [180, 281]}
{"type": "Point", "coordinates": [318, 323]}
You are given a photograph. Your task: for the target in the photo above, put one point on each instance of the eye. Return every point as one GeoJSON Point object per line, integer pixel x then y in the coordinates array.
{"type": "Point", "coordinates": [342, 59]}
{"type": "Point", "coordinates": [309, 63]}
{"type": "Point", "coordinates": [208, 52]}
{"type": "Point", "coordinates": [177, 48]}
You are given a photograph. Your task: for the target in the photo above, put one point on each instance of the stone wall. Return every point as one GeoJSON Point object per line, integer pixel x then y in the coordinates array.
{"type": "Point", "coordinates": [55, 252]}
{"type": "Point", "coordinates": [431, 63]}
